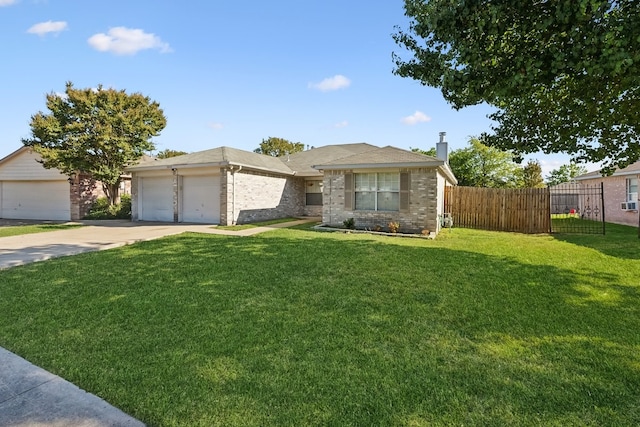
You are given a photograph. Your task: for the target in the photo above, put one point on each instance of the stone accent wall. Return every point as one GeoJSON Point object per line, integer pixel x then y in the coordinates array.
{"type": "Point", "coordinates": [423, 203]}
{"type": "Point", "coordinates": [615, 192]}
{"type": "Point", "coordinates": [259, 197]}
{"type": "Point", "coordinates": [84, 191]}
{"type": "Point", "coordinates": [134, 196]}
{"type": "Point", "coordinates": [312, 210]}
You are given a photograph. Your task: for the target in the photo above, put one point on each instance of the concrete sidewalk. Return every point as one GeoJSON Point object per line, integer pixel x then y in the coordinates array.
{"type": "Point", "coordinates": [30, 396]}
{"type": "Point", "coordinates": [33, 397]}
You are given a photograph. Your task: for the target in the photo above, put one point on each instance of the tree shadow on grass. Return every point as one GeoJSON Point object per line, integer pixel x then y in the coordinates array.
{"type": "Point", "coordinates": [620, 241]}
{"type": "Point", "coordinates": [329, 330]}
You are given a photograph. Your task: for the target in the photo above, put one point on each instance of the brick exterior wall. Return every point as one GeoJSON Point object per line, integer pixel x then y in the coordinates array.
{"type": "Point", "coordinates": [615, 192]}
{"type": "Point", "coordinates": [84, 191]}
{"type": "Point", "coordinates": [259, 197]}
{"type": "Point", "coordinates": [424, 205]}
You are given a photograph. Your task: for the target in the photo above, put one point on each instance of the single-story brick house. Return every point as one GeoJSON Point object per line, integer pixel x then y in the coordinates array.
{"type": "Point", "coordinates": [620, 193]}
{"type": "Point", "coordinates": [29, 191]}
{"type": "Point", "coordinates": [227, 186]}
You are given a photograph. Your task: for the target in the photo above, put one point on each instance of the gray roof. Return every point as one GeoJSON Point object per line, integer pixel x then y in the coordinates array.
{"type": "Point", "coordinates": [389, 157]}
{"type": "Point", "coordinates": [386, 156]}
{"type": "Point", "coordinates": [309, 163]}
{"type": "Point", "coordinates": [303, 161]}
{"type": "Point", "coordinates": [221, 156]}
{"type": "Point", "coordinates": [632, 169]}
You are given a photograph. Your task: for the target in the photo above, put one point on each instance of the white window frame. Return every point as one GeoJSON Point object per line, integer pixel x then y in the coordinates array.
{"type": "Point", "coordinates": [632, 183]}
{"type": "Point", "coordinates": [375, 180]}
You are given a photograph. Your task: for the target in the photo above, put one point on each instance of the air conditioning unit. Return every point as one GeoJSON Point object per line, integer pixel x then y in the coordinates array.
{"type": "Point", "coordinates": [629, 206]}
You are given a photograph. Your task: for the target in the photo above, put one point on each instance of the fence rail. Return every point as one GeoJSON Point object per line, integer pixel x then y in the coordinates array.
{"type": "Point", "coordinates": [524, 210]}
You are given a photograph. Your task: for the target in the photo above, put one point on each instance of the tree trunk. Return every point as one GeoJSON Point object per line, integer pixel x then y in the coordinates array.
{"type": "Point", "coordinates": [112, 191]}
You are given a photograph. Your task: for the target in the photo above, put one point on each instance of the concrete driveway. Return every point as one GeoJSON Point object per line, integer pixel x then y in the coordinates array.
{"type": "Point", "coordinates": [93, 236]}
{"type": "Point", "coordinates": [100, 235]}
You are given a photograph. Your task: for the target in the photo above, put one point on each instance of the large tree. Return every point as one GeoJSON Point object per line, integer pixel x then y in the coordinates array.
{"type": "Point", "coordinates": [168, 152]}
{"type": "Point", "coordinates": [97, 131]}
{"type": "Point", "coordinates": [564, 75]}
{"type": "Point", "coordinates": [277, 147]}
{"type": "Point", "coordinates": [565, 173]}
{"type": "Point", "coordinates": [430, 152]}
{"type": "Point", "coordinates": [532, 175]}
{"type": "Point", "coordinates": [481, 166]}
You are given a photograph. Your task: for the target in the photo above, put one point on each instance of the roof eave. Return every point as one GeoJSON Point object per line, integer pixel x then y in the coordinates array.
{"type": "Point", "coordinates": [596, 176]}
{"type": "Point", "coordinates": [430, 164]}
{"type": "Point", "coordinates": [140, 168]}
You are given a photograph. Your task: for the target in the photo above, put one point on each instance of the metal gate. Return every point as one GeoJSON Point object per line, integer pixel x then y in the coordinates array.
{"type": "Point", "coordinates": [577, 208]}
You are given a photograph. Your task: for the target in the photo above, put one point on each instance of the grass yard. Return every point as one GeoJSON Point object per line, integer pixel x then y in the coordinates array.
{"type": "Point", "coordinates": [239, 227]}
{"type": "Point", "coordinates": [16, 230]}
{"type": "Point", "coordinates": [295, 327]}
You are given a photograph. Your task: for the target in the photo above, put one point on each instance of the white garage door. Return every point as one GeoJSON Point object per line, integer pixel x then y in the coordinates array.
{"type": "Point", "coordinates": [200, 199]}
{"type": "Point", "coordinates": [156, 199]}
{"type": "Point", "coordinates": [35, 200]}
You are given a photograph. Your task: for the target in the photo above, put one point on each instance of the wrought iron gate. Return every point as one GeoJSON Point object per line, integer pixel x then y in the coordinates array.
{"type": "Point", "coordinates": [577, 208]}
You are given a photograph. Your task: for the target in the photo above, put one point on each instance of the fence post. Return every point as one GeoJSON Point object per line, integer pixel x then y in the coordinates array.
{"type": "Point", "coordinates": [602, 204]}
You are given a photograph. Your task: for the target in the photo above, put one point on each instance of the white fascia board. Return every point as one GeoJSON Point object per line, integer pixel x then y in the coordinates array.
{"type": "Point", "coordinates": [380, 165]}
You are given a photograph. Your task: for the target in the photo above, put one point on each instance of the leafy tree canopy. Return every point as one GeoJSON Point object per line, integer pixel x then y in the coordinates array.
{"type": "Point", "coordinates": [563, 75]}
{"type": "Point", "coordinates": [479, 165]}
{"type": "Point", "coordinates": [532, 175]}
{"type": "Point", "coordinates": [167, 152]}
{"type": "Point", "coordinates": [430, 152]}
{"type": "Point", "coordinates": [565, 173]}
{"type": "Point", "coordinates": [97, 131]}
{"type": "Point", "coordinates": [277, 147]}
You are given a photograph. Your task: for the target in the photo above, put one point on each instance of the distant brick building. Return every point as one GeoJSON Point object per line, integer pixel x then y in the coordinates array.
{"type": "Point", "coordinates": [620, 193]}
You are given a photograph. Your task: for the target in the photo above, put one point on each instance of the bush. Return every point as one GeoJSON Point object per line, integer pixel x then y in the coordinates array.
{"type": "Point", "coordinates": [349, 223]}
{"type": "Point", "coordinates": [102, 210]}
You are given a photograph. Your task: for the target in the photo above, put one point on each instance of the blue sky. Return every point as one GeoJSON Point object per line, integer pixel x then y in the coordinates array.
{"type": "Point", "coordinates": [231, 73]}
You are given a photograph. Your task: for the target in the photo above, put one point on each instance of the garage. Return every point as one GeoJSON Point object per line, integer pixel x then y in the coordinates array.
{"type": "Point", "coordinates": [43, 200]}
{"type": "Point", "coordinates": [156, 199]}
{"type": "Point", "coordinates": [200, 199]}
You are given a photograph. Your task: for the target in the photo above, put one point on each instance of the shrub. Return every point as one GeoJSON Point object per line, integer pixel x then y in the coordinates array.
{"type": "Point", "coordinates": [349, 223]}
{"type": "Point", "coordinates": [101, 209]}
{"type": "Point", "coordinates": [394, 226]}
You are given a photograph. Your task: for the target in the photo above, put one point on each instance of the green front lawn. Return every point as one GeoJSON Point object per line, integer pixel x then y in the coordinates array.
{"type": "Point", "coordinates": [295, 327]}
{"type": "Point", "coordinates": [239, 227]}
{"type": "Point", "coordinates": [16, 230]}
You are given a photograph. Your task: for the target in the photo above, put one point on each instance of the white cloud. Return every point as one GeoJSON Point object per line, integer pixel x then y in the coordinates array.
{"type": "Point", "coordinates": [215, 126]}
{"type": "Point", "coordinates": [44, 28]}
{"type": "Point", "coordinates": [7, 2]}
{"type": "Point", "coordinates": [342, 124]}
{"type": "Point", "coordinates": [331, 83]}
{"type": "Point", "coordinates": [415, 118]}
{"type": "Point", "coordinates": [127, 41]}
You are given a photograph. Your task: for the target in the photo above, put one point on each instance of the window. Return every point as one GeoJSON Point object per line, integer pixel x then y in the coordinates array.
{"type": "Point", "coordinates": [377, 191]}
{"type": "Point", "coordinates": [632, 189]}
{"type": "Point", "coordinates": [313, 193]}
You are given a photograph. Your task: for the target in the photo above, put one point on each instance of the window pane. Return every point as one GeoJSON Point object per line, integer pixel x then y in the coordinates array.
{"type": "Point", "coordinates": [365, 181]}
{"type": "Point", "coordinates": [389, 182]}
{"type": "Point", "coordinates": [388, 201]}
{"type": "Point", "coordinates": [314, 199]}
{"type": "Point", "coordinates": [313, 186]}
{"type": "Point", "coordinates": [632, 189]}
{"type": "Point", "coordinates": [365, 200]}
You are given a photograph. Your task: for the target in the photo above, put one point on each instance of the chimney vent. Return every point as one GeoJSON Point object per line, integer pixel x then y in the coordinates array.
{"type": "Point", "coordinates": [442, 148]}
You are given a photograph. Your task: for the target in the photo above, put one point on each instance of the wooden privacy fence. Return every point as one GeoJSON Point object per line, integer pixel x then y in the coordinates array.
{"type": "Point", "coordinates": [523, 210]}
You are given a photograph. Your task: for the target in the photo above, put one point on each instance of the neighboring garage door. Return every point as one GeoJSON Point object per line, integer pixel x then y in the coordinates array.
{"type": "Point", "coordinates": [200, 199]}
{"type": "Point", "coordinates": [35, 200]}
{"type": "Point", "coordinates": [156, 199]}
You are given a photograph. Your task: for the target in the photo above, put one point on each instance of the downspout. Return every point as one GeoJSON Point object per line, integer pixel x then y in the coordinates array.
{"type": "Point", "coordinates": [233, 193]}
